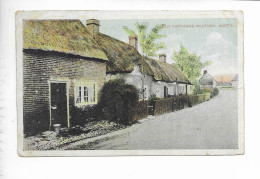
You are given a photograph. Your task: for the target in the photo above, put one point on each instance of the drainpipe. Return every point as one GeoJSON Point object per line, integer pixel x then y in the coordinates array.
{"type": "Point", "coordinates": [143, 76]}
{"type": "Point", "coordinates": [177, 90]}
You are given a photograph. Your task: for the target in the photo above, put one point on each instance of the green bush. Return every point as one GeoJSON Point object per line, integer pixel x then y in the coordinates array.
{"type": "Point", "coordinates": [192, 100]}
{"type": "Point", "coordinates": [215, 91]}
{"type": "Point", "coordinates": [205, 90]}
{"type": "Point", "coordinates": [118, 101]}
{"type": "Point", "coordinates": [201, 98]}
{"type": "Point", "coordinates": [152, 99]}
{"type": "Point", "coordinates": [196, 87]}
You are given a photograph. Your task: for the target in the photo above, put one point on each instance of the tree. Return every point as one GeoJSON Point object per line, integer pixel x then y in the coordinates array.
{"type": "Point", "coordinates": [148, 40]}
{"type": "Point", "coordinates": [189, 64]}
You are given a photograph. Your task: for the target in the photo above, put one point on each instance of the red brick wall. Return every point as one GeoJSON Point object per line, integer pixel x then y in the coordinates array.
{"type": "Point", "coordinates": [38, 68]}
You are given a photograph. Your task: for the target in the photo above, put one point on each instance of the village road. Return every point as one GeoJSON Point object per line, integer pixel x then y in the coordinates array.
{"type": "Point", "coordinates": [209, 125]}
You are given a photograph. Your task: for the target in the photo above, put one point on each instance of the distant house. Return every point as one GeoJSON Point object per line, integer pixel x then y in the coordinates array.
{"type": "Point", "coordinates": [227, 80]}
{"type": "Point", "coordinates": [63, 68]}
{"type": "Point", "coordinates": [207, 80]}
{"type": "Point", "coordinates": [150, 76]}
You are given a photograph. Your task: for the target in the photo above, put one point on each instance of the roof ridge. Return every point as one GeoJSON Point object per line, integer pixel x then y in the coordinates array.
{"type": "Point", "coordinates": [118, 40]}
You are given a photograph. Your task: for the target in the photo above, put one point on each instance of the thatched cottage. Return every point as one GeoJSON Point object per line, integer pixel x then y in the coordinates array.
{"type": "Point", "coordinates": [65, 65]}
{"type": "Point", "coordinates": [63, 68]}
{"type": "Point", "coordinates": [207, 80]}
{"type": "Point", "coordinates": [150, 76]}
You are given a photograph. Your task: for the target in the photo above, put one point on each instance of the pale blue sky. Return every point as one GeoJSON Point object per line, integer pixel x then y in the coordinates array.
{"type": "Point", "coordinates": [215, 44]}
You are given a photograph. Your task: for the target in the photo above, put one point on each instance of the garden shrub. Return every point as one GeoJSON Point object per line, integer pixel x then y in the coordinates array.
{"type": "Point", "coordinates": [81, 115]}
{"type": "Point", "coordinates": [205, 90]}
{"type": "Point", "coordinates": [152, 99]}
{"type": "Point", "coordinates": [118, 101]}
{"type": "Point", "coordinates": [207, 96]}
{"type": "Point", "coordinates": [215, 91]}
{"type": "Point", "coordinates": [192, 100]}
{"type": "Point", "coordinates": [201, 98]}
{"type": "Point", "coordinates": [196, 88]}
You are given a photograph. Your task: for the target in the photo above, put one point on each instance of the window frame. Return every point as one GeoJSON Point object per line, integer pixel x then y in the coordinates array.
{"type": "Point", "coordinates": [83, 85]}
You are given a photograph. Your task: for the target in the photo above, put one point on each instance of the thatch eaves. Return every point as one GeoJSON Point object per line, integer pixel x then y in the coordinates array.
{"type": "Point", "coordinates": [180, 75]}
{"type": "Point", "coordinates": [162, 71]}
{"type": "Point", "coordinates": [122, 56]}
{"type": "Point", "coordinates": [65, 36]}
{"type": "Point", "coordinates": [153, 68]}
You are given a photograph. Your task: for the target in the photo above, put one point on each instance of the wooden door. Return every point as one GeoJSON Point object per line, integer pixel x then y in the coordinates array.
{"type": "Point", "coordinates": [59, 104]}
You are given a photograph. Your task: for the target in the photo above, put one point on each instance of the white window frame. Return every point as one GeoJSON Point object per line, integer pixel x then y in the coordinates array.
{"type": "Point", "coordinates": [82, 85]}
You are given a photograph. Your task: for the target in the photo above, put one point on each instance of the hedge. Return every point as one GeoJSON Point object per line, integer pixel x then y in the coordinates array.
{"type": "Point", "coordinates": [201, 98]}
{"type": "Point", "coordinates": [81, 115]}
{"type": "Point", "coordinates": [141, 110]}
{"type": "Point", "coordinates": [207, 96]}
{"type": "Point", "coordinates": [196, 99]}
{"type": "Point", "coordinates": [193, 100]}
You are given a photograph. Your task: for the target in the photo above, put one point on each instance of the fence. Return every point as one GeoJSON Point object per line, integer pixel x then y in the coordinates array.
{"type": "Point", "coordinates": [162, 106]}
{"type": "Point", "coordinates": [166, 105]}
{"type": "Point", "coordinates": [141, 110]}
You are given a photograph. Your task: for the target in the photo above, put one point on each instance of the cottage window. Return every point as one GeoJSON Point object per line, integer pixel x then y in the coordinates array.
{"type": "Point", "coordinates": [78, 99]}
{"type": "Point", "coordinates": [86, 93]}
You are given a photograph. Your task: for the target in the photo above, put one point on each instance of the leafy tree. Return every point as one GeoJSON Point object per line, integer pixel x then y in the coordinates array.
{"type": "Point", "coordinates": [189, 64]}
{"type": "Point", "coordinates": [148, 40]}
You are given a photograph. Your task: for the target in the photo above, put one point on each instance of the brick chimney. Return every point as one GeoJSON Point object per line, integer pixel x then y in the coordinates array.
{"type": "Point", "coordinates": [205, 71]}
{"type": "Point", "coordinates": [162, 57]}
{"type": "Point", "coordinates": [133, 41]}
{"type": "Point", "coordinates": [93, 26]}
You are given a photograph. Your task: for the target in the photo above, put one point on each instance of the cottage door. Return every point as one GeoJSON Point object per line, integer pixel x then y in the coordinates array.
{"type": "Point", "coordinates": [58, 104]}
{"type": "Point", "coordinates": [165, 92]}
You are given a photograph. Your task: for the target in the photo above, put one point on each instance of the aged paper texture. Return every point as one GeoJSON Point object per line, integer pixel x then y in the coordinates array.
{"type": "Point", "coordinates": [108, 83]}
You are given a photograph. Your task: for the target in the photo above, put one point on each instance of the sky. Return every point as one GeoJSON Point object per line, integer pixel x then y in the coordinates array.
{"type": "Point", "coordinates": [214, 40]}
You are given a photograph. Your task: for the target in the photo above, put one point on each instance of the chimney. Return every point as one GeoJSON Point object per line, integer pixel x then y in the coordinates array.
{"type": "Point", "coordinates": [133, 41]}
{"type": "Point", "coordinates": [93, 26]}
{"type": "Point", "coordinates": [205, 71]}
{"type": "Point", "coordinates": [162, 57]}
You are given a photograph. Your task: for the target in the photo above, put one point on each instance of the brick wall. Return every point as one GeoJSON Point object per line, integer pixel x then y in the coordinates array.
{"type": "Point", "coordinates": [38, 68]}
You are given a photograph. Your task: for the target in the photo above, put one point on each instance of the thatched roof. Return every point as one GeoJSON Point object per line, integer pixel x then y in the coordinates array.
{"type": "Point", "coordinates": [121, 55]}
{"type": "Point", "coordinates": [162, 71]}
{"type": "Point", "coordinates": [66, 36]}
{"type": "Point", "coordinates": [180, 75]}
{"type": "Point", "coordinates": [153, 68]}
